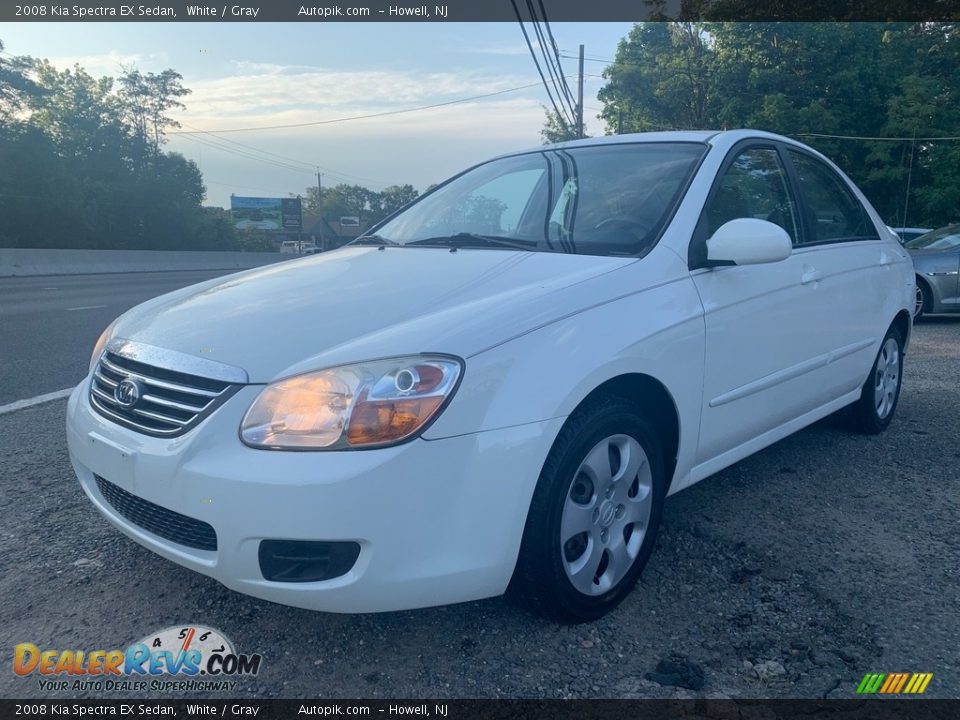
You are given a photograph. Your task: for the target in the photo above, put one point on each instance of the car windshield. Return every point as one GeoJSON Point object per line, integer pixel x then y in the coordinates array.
{"type": "Point", "coordinates": [612, 199]}
{"type": "Point", "coordinates": [942, 239]}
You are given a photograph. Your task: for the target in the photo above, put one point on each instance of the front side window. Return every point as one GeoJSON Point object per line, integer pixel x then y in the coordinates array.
{"type": "Point", "coordinates": [754, 186]}
{"type": "Point", "coordinates": [834, 213]}
{"type": "Point", "coordinates": [589, 200]}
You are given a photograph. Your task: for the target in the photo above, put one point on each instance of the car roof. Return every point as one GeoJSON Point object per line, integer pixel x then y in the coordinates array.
{"type": "Point", "coordinates": [712, 137]}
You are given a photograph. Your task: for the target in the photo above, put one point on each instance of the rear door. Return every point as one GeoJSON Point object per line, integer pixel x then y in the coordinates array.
{"type": "Point", "coordinates": [853, 271]}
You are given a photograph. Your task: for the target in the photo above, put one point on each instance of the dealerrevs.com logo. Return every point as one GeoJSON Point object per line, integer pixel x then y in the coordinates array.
{"type": "Point", "coordinates": [179, 658]}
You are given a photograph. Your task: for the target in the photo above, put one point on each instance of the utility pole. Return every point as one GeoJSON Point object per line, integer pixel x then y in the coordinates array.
{"type": "Point", "coordinates": [619, 121]}
{"type": "Point", "coordinates": [323, 240]}
{"type": "Point", "coordinates": [580, 98]}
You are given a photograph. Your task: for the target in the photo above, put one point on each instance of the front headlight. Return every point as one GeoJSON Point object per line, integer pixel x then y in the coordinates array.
{"type": "Point", "coordinates": [364, 405]}
{"type": "Point", "coordinates": [101, 343]}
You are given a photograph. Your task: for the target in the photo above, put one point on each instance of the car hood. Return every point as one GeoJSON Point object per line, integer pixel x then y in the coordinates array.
{"type": "Point", "coordinates": [361, 303]}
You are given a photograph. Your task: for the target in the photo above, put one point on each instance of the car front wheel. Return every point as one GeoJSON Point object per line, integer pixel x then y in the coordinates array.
{"type": "Point", "coordinates": [594, 515]}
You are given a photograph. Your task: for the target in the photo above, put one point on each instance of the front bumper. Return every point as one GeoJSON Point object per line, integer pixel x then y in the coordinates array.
{"type": "Point", "coordinates": [438, 521]}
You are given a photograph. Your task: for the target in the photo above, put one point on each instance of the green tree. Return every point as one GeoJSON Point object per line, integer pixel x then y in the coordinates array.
{"type": "Point", "coordinates": [556, 129]}
{"type": "Point", "coordinates": [214, 230]}
{"type": "Point", "coordinates": [370, 206]}
{"type": "Point", "coordinates": [146, 100]}
{"type": "Point", "coordinates": [390, 199]}
{"type": "Point", "coordinates": [16, 85]}
{"type": "Point", "coordinates": [856, 80]}
{"type": "Point", "coordinates": [83, 165]}
{"type": "Point", "coordinates": [661, 79]}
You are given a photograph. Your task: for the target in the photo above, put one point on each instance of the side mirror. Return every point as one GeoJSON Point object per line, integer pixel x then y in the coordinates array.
{"type": "Point", "coordinates": [747, 241]}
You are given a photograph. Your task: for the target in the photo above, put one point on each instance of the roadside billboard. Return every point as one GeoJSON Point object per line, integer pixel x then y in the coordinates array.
{"type": "Point", "coordinates": [255, 213]}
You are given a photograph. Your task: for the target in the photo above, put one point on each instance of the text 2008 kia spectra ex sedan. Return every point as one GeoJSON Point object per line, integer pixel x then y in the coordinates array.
{"type": "Point", "coordinates": [497, 387]}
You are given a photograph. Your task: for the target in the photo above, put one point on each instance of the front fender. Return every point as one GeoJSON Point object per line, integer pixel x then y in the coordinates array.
{"type": "Point", "coordinates": [545, 374]}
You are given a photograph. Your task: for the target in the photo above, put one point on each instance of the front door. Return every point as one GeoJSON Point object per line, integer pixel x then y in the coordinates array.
{"type": "Point", "coordinates": [763, 322]}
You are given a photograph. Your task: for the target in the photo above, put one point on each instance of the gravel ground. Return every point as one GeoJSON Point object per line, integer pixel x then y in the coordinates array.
{"type": "Point", "coordinates": [790, 574]}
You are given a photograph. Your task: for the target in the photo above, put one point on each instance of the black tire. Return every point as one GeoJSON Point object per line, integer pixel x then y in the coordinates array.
{"type": "Point", "coordinates": [863, 416]}
{"type": "Point", "coordinates": [539, 580]}
{"type": "Point", "coordinates": [924, 299]}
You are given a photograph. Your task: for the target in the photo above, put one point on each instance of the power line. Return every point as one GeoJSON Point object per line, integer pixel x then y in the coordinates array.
{"type": "Point", "coordinates": [245, 187]}
{"type": "Point", "coordinates": [213, 143]}
{"type": "Point", "coordinates": [312, 166]}
{"type": "Point", "coordinates": [250, 147]}
{"type": "Point", "coordinates": [556, 73]}
{"type": "Point", "coordinates": [556, 53]}
{"type": "Point", "coordinates": [363, 117]}
{"type": "Point", "coordinates": [599, 60]}
{"type": "Point", "coordinates": [249, 156]}
{"type": "Point", "coordinates": [546, 85]}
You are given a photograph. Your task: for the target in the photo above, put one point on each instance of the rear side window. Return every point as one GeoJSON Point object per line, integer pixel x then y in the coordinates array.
{"type": "Point", "coordinates": [833, 211]}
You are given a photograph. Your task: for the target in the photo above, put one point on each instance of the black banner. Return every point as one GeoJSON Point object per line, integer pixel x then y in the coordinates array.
{"type": "Point", "coordinates": [486, 709]}
{"type": "Point", "coordinates": [477, 11]}
{"type": "Point", "coordinates": [291, 214]}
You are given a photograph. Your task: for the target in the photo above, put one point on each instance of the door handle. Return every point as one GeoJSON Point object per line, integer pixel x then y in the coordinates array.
{"type": "Point", "coordinates": [810, 274]}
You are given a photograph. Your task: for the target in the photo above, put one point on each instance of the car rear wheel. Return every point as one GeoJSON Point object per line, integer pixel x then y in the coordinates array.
{"type": "Point", "coordinates": [874, 410]}
{"type": "Point", "coordinates": [594, 515]}
{"type": "Point", "coordinates": [921, 302]}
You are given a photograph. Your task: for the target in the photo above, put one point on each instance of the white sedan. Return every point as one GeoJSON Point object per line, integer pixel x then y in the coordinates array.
{"type": "Point", "coordinates": [503, 381]}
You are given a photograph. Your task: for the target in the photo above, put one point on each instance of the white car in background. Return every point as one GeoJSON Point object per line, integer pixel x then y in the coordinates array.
{"type": "Point", "coordinates": [503, 381]}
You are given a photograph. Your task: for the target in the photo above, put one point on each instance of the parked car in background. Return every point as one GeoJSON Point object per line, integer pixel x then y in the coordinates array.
{"type": "Point", "coordinates": [936, 259]}
{"type": "Point", "coordinates": [906, 234]}
{"type": "Point", "coordinates": [296, 247]}
{"type": "Point", "coordinates": [500, 384]}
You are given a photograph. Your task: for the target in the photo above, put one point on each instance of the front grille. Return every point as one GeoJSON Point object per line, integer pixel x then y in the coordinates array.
{"type": "Point", "coordinates": [170, 402]}
{"type": "Point", "coordinates": [167, 524]}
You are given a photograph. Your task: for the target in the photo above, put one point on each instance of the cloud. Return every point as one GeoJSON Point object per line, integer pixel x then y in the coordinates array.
{"type": "Point", "coordinates": [420, 148]}
{"type": "Point", "coordinates": [256, 91]}
{"type": "Point", "coordinates": [110, 63]}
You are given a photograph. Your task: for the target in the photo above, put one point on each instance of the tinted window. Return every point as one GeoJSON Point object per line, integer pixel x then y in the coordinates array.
{"type": "Point", "coordinates": [942, 239]}
{"type": "Point", "coordinates": [591, 200]}
{"type": "Point", "coordinates": [754, 186]}
{"type": "Point", "coordinates": [834, 213]}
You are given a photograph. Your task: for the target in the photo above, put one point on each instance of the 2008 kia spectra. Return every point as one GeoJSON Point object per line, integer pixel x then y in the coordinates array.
{"type": "Point", "coordinates": [501, 383]}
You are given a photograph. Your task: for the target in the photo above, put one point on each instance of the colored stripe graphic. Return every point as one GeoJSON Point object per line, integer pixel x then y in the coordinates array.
{"type": "Point", "coordinates": [918, 683]}
{"type": "Point", "coordinates": [870, 683]}
{"type": "Point", "coordinates": [894, 683]}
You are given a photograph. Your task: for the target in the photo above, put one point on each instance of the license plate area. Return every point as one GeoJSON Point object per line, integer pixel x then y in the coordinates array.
{"type": "Point", "coordinates": [112, 461]}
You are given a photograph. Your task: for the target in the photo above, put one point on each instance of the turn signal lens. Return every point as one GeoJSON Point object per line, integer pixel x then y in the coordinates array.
{"type": "Point", "coordinates": [100, 345]}
{"type": "Point", "coordinates": [369, 404]}
{"type": "Point", "coordinates": [380, 421]}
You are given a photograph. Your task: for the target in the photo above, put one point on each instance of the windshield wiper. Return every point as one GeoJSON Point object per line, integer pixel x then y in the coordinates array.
{"type": "Point", "coordinates": [373, 240]}
{"type": "Point", "coordinates": [465, 240]}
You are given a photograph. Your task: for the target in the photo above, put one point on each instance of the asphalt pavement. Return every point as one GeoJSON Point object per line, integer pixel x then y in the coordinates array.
{"type": "Point", "coordinates": [50, 323]}
{"type": "Point", "coordinates": [790, 574]}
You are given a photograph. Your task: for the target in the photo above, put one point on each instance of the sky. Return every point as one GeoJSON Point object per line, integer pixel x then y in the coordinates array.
{"type": "Point", "coordinates": [253, 75]}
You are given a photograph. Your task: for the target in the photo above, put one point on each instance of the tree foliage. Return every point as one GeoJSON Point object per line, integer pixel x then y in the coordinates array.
{"type": "Point", "coordinates": [83, 164]}
{"type": "Point", "coordinates": [370, 206]}
{"type": "Point", "coordinates": [556, 128]}
{"type": "Point", "coordinates": [84, 167]}
{"type": "Point", "coordinates": [863, 80]}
